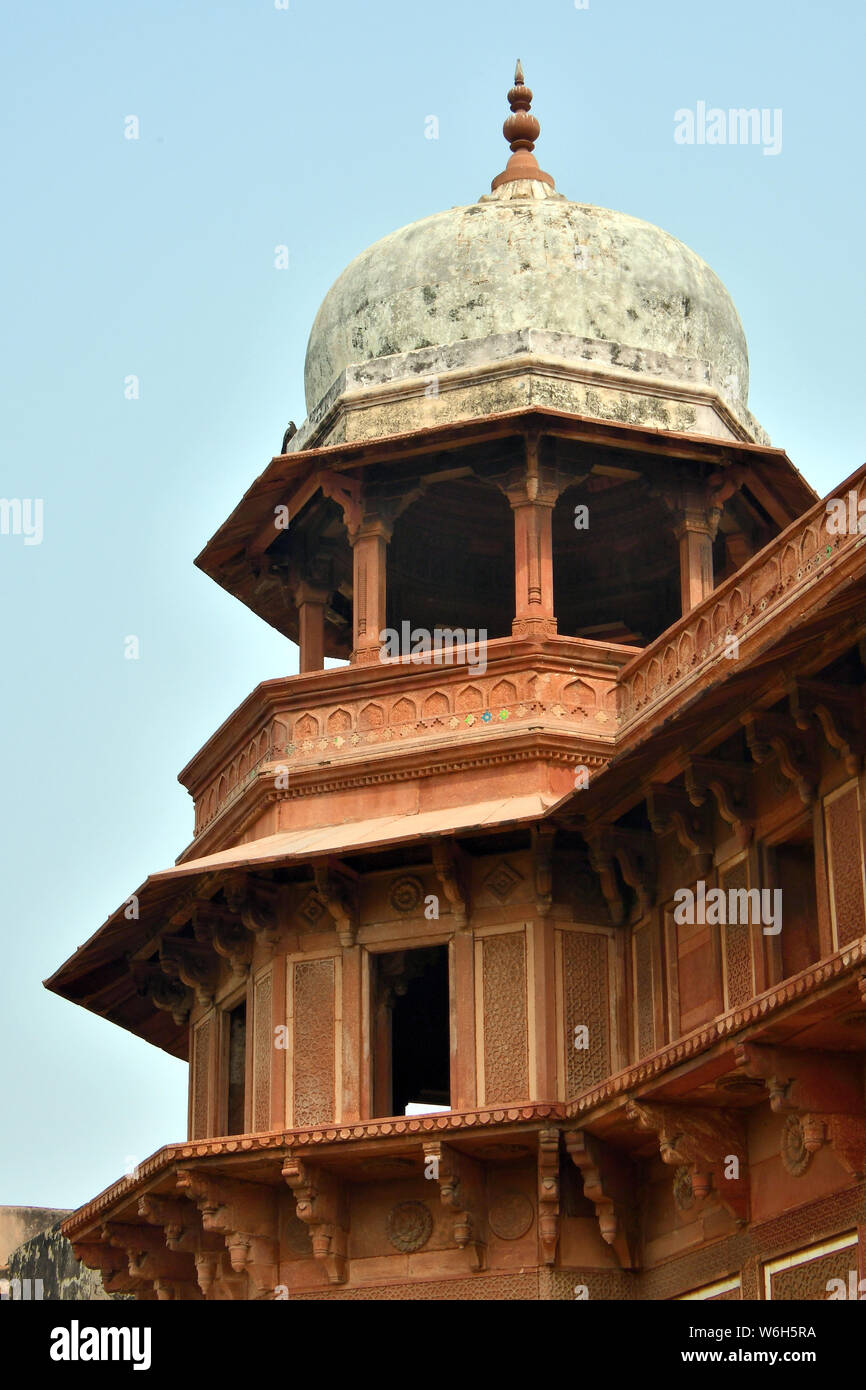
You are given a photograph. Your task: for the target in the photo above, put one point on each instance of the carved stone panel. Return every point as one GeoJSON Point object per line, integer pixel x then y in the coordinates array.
{"type": "Point", "coordinates": [806, 1273]}
{"type": "Point", "coordinates": [313, 984]}
{"type": "Point", "coordinates": [263, 1049]}
{"type": "Point", "coordinates": [842, 818]}
{"type": "Point", "coordinates": [739, 978]}
{"type": "Point", "coordinates": [585, 1005]}
{"type": "Point", "coordinates": [504, 1017]}
{"type": "Point", "coordinates": [200, 1072]}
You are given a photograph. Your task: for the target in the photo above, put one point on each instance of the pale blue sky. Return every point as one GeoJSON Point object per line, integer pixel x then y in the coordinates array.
{"type": "Point", "coordinates": [303, 127]}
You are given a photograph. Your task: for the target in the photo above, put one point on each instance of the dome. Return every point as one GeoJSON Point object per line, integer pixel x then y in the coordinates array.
{"type": "Point", "coordinates": [506, 264]}
{"type": "Point", "coordinates": [602, 296]}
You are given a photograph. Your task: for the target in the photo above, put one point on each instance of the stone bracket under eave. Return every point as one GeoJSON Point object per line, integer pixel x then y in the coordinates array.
{"type": "Point", "coordinates": [321, 1203]}
{"type": "Point", "coordinates": [610, 1183]}
{"type": "Point", "coordinates": [731, 787]}
{"type": "Point", "coordinates": [450, 864]}
{"type": "Point", "coordinates": [337, 886]}
{"type": "Point", "coordinates": [710, 1143]}
{"type": "Point", "coordinates": [822, 1096]}
{"type": "Point", "coordinates": [838, 712]}
{"type": "Point", "coordinates": [670, 809]}
{"type": "Point", "coordinates": [245, 1215]}
{"type": "Point", "coordinates": [462, 1191]}
{"type": "Point", "coordinates": [634, 852]}
{"type": "Point", "coordinates": [768, 733]}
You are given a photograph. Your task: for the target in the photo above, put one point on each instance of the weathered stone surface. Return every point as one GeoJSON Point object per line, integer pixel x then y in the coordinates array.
{"type": "Point", "coordinates": [599, 289]}
{"type": "Point", "coordinates": [47, 1256]}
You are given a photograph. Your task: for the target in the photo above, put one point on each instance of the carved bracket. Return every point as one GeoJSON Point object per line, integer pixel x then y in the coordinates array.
{"type": "Point", "coordinates": [337, 886]}
{"type": "Point", "coordinates": [346, 492]}
{"type": "Point", "coordinates": [192, 963]}
{"type": "Point", "coordinates": [245, 1214]}
{"type": "Point", "coordinates": [767, 734]}
{"type": "Point", "coordinates": [257, 903]}
{"type": "Point", "coordinates": [610, 1183]}
{"type": "Point", "coordinates": [838, 712]}
{"type": "Point", "coordinates": [462, 1191]}
{"type": "Point", "coordinates": [172, 996]}
{"type": "Point", "coordinates": [634, 852]}
{"type": "Point", "coordinates": [730, 785]}
{"type": "Point", "coordinates": [824, 1090]}
{"type": "Point", "coordinates": [217, 925]}
{"type": "Point", "coordinates": [543, 837]}
{"type": "Point", "coordinates": [671, 809]}
{"type": "Point", "coordinates": [548, 1193]}
{"type": "Point", "coordinates": [320, 1201]}
{"type": "Point", "coordinates": [710, 1143]}
{"type": "Point", "coordinates": [450, 866]}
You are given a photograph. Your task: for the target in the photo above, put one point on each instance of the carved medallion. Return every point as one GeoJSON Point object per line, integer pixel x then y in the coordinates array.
{"type": "Point", "coordinates": [502, 880]}
{"type": "Point", "coordinates": [795, 1156]}
{"type": "Point", "coordinates": [684, 1196]}
{"type": "Point", "coordinates": [406, 893]}
{"type": "Point", "coordinates": [511, 1216]}
{"type": "Point", "coordinates": [311, 909]}
{"type": "Point", "coordinates": [410, 1225]}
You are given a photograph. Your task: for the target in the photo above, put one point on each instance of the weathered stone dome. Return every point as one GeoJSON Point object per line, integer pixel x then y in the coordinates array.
{"type": "Point", "coordinates": [523, 298]}
{"type": "Point", "coordinates": [509, 263]}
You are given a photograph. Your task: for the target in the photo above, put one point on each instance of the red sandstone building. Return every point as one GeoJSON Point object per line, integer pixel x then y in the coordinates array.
{"type": "Point", "coordinates": [531, 876]}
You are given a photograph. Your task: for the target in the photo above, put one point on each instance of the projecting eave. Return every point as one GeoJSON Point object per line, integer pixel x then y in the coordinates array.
{"type": "Point", "coordinates": [235, 556]}
{"type": "Point", "coordinates": [99, 975]}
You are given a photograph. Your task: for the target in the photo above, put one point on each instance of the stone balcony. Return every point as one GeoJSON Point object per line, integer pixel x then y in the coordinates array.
{"type": "Point", "coordinates": [552, 700]}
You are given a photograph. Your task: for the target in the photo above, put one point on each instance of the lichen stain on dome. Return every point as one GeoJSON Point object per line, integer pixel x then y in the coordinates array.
{"type": "Point", "coordinates": [500, 267]}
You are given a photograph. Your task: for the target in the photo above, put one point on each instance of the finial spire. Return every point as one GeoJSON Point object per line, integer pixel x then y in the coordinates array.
{"type": "Point", "coordinates": [521, 131]}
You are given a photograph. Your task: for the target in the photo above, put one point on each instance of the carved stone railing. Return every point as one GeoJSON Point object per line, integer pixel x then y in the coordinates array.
{"type": "Point", "coordinates": [740, 607]}
{"type": "Point", "coordinates": [350, 713]}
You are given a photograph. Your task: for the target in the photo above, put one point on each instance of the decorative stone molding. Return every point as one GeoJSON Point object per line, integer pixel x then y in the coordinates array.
{"type": "Point", "coordinates": [462, 1191]}
{"type": "Point", "coordinates": [410, 1226]}
{"type": "Point", "coordinates": [406, 893]}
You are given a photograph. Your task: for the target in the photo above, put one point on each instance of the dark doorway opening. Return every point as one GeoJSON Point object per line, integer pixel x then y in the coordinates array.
{"type": "Point", "coordinates": [412, 1034]}
{"type": "Point", "coordinates": [792, 869]}
{"type": "Point", "coordinates": [236, 1066]}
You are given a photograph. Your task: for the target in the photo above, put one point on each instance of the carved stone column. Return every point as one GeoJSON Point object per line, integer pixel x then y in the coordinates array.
{"type": "Point", "coordinates": [532, 502]}
{"type": "Point", "coordinates": [311, 635]}
{"type": "Point", "coordinates": [694, 533]}
{"type": "Point", "coordinates": [370, 550]}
